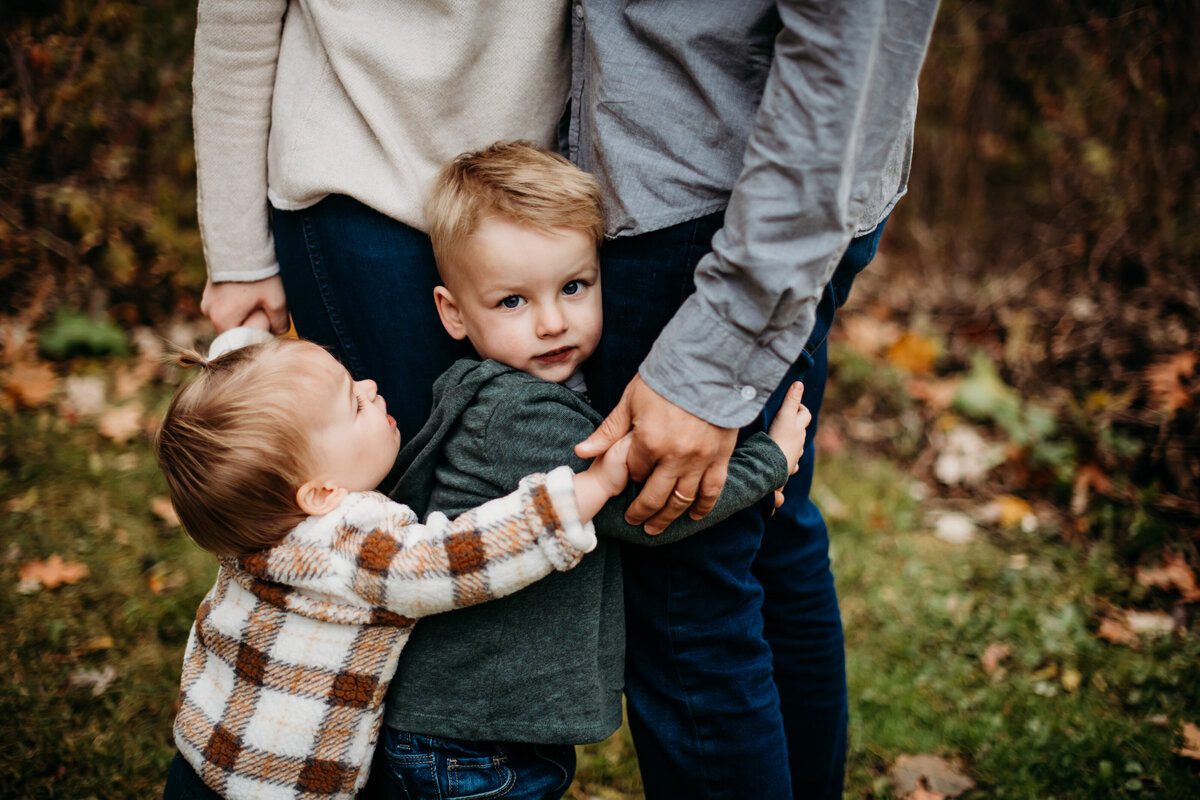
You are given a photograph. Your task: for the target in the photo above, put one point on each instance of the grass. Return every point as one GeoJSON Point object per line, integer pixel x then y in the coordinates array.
{"type": "Point", "coordinates": [1065, 714]}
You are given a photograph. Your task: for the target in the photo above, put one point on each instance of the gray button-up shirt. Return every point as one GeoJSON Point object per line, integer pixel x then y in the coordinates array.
{"type": "Point", "coordinates": [794, 117]}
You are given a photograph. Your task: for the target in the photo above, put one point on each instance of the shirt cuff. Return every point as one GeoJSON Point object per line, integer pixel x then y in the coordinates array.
{"type": "Point", "coordinates": [243, 276]}
{"type": "Point", "coordinates": [711, 369]}
{"type": "Point", "coordinates": [575, 537]}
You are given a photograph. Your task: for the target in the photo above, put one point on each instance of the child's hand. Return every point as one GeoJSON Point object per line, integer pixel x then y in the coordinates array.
{"type": "Point", "coordinates": [605, 478]}
{"type": "Point", "coordinates": [789, 430]}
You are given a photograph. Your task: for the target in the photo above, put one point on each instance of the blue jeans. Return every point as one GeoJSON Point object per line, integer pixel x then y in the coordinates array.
{"type": "Point", "coordinates": [361, 284]}
{"type": "Point", "coordinates": [412, 767]}
{"type": "Point", "coordinates": [735, 665]}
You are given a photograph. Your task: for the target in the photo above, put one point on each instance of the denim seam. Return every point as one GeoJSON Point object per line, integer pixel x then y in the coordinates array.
{"type": "Point", "coordinates": [345, 343]}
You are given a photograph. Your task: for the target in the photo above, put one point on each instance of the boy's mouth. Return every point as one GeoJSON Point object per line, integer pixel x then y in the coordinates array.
{"type": "Point", "coordinates": [391, 420]}
{"type": "Point", "coordinates": [554, 356]}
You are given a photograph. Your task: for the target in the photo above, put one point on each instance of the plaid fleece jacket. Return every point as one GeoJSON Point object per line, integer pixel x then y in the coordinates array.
{"type": "Point", "coordinates": [293, 648]}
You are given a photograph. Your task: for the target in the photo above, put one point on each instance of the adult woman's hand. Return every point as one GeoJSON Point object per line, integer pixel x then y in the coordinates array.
{"type": "Point", "coordinates": [230, 304]}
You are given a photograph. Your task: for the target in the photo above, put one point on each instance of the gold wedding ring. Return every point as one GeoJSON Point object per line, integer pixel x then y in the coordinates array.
{"type": "Point", "coordinates": [684, 498]}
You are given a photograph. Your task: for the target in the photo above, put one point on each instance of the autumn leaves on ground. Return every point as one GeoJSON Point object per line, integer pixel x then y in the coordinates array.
{"type": "Point", "coordinates": [1017, 625]}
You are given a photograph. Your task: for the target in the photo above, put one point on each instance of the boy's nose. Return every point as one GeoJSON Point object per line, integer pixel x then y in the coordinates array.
{"type": "Point", "coordinates": [551, 321]}
{"type": "Point", "coordinates": [369, 388]}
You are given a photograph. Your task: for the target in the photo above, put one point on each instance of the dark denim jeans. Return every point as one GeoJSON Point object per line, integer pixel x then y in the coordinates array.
{"type": "Point", "coordinates": [184, 784]}
{"type": "Point", "coordinates": [735, 665]}
{"type": "Point", "coordinates": [412, 767]}
{"type": "Point", "coordinates": [361, 284]}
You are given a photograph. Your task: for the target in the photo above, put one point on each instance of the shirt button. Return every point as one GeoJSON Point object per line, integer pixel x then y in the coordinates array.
{"type": "Point", "coordinates": [579, 10]}
{"type": "Point", "coordinates": [748, 393]}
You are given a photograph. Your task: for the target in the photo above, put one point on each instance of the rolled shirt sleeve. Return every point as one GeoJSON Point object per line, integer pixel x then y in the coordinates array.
{"type": "Point", "coordinates": [832, 130]}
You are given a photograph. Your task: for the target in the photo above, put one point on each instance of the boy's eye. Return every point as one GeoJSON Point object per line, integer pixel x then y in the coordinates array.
{"type": "Point", "coordinates": [512, 301]}
{"type": "Point", "coordinates": [572, 287]}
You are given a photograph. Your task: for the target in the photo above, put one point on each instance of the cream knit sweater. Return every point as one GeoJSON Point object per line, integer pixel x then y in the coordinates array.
{"type": "Point", "coordinates": [295, 101]}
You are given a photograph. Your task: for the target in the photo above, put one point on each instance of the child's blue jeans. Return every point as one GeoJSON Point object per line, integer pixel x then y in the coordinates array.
{"type": "Point", "coordinates": [412, 767]}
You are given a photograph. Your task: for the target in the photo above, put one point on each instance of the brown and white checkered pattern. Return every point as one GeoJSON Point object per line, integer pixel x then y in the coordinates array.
{"type": "Point", "coordinates": [293, 648]}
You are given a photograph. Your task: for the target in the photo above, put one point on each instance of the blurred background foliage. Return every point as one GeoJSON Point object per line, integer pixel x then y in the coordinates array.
{"type": "Point", "coordinates": [1025, 351]}
{"type": "Point", "coordinates": [97, 175]}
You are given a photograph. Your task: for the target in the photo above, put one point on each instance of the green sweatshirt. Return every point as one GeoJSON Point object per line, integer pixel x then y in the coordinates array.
{"type": "Point", "coordinates": [545, 664]}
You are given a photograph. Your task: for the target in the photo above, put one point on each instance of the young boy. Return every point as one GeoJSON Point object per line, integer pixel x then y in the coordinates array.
{"type": "Point", "coordinates": [270, 455]}
{"type": "Point", "coordinates": [510, 688]}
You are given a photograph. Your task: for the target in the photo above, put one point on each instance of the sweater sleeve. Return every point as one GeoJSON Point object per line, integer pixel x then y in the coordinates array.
{"type": "Point", "coordinates": [528, 434]}
{"type": "Point", "coordinates": [372, 555]}
{"type": "Point", "coordinates": [237, 48]}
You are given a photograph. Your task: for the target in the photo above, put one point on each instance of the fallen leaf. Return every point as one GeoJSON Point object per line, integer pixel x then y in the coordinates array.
{"type": "Point", "coordinates": [938, 395]}
{"type": "Point", "coordinates": [964, 456]}
{"type": "Point", "coordinates": [931, 773]}
{"type": "Point", "coordinates": [1071, 678]}
{"type": "Point", "coordinates": [1008, 511]}
{"type": "Point", "coordinates": [97, 679]}
{"type": "Point", "coordinates": [1173, 574]}
{"type": "Point", "coordinates": [84, 394]}
{"type": "Point", "coordinates": [995, 653]}
{"type": "Point", "coordinates": [1150, 623]}
{"type": "Point", "coordinates": [955, 528]}
{"type": "Point", "coordinates": [1116, 631]}
{"type": "Point", "coordinates": [921, 793]}
{"type": "Point", "coordinates": [31, 385]}
{"type": "Point", "coordinates": [95, 645]}
{"type": "Point", "coordinates": [1088, 478]}
{"type": "Point", "coordinates": [866, 334]}
{"type": "Point", "coordinates": [1167, 385]}
{"type": "Point", "coordinates": [1191, 741]}
{"type": "Point", "coordinates": [26, 501]}
{"type": "Point", "coordinates": [162, 508]}
{"type": "Point", "coordinates": [122, 422]}
{"type": "Point", "coordinates": [49, 573]}
{"type": "Point", "coordinates": [913, 353]}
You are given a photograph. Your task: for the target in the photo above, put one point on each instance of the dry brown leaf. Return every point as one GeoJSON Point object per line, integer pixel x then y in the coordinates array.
{"type": "Point", "coordinates": [122, 422]}
{"type": "Point", "coordinates": [930, 773]}
{"type": "Point", "coordinates": [938, 395]}
{"type": "Point", "coordinates": [913, 353]}
{"type": "Point", "coordinates": [995, 653]}
{"type": "Point", "coordinates": [1191, 741]}
{"type": "Point", "coordinates": [50, 573]}
{"type": "Point", "coordinates": [1011, 510]}
{"type": "Point", "coordinates": [26, 501]}
{"type": "Point", "coordinates": [1167, 381]}
{"type": "Point", "coordinates": [162, 508]}
{"type": "Point", "coordinates": [1173, 574]}
{"type": "Point", "coordinates": [866, 334]}
{"type": "Point", "coordinates": [95, 645]}
{"type": "Point", "coordinates": [1116, 631]}
{"type": "Point", "coordinates": [921, 793]}
{"type": "Point", "coordinates": [31, 385]}
{"type": "Point", "coordinates": [1088, 478]}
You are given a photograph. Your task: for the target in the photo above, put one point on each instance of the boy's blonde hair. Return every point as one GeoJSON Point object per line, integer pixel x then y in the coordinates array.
{"type": "Point", "coordinates": [517, 180]}
{"type": "Point", "coordinates": [234, 447]}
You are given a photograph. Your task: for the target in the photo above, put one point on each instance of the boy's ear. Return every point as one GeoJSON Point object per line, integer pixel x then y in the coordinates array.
{"type": "Point", "coordinates": [448, 312]}
{"type": "Point", "coordinates": [318, 497]}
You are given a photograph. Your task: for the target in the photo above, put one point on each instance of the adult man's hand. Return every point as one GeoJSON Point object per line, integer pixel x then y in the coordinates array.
{"type": "Point", "coordinates": [682, 459]}
{"type": "Point", "coordinates": [261, 304]}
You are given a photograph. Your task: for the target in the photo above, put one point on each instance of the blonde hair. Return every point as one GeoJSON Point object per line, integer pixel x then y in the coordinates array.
{"type": "Point", "coordinates": [517, 180]}
{"type": "Point", "coordinates": [233, 448]}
